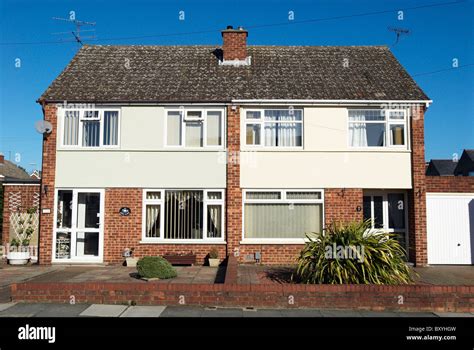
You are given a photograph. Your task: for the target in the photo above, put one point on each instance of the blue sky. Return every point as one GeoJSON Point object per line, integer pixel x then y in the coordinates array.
{"type": "Point", "coordinates": [438, 35]}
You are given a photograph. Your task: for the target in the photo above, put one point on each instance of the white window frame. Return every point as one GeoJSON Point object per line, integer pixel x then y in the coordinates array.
{"type": "Point", "coordinates": [100, 118]}
{"type": "Point", "coordinates": [283, 199]}
{"type": "Point", "coordinates": [262, 123]}
{"type": "Point", "coordinates": [388, 122]}
{"type": "Point", "coordinates": [161, 203]}
{"type": "Point", "coordinates": [203, 120]}
{"type": "Point", "coordinates": [385, 219]}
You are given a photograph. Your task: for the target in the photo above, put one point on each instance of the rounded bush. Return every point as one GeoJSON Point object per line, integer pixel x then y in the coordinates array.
{"type": "Point", "coordinates": [155, 267]}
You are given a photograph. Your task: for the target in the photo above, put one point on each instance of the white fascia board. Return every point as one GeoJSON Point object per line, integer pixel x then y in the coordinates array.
{"type": "Point", "coordinates": [331, 102]}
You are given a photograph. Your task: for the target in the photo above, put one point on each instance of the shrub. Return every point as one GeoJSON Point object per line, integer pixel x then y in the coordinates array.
{"type": "Point", "coordinates": [155, 267]}
{"type": "Point", "coordinates": [213, 254]}
{"type": "Point", "coordinates": [349, 254]}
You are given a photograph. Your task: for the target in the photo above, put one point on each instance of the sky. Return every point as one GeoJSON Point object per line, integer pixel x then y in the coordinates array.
{"type": "Point", "coordinates": [439, 36]}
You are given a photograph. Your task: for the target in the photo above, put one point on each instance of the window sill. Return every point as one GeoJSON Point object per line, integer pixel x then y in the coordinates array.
{"type": "Point", "coordinates": [181, 241]}
{"type": "Point", "coordinates": [274, 241]}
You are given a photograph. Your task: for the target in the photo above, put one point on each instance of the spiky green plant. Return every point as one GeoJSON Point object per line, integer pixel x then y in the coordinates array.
{"type": "Point", "coordinates": [377, 257]}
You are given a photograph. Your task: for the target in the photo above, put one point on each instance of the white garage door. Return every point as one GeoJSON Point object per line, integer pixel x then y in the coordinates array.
{"type": "Point", "coordinates": [450, 226]}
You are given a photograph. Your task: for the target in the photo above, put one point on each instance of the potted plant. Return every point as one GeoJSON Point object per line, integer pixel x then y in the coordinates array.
{"type": "Point", "coordinates": [19, 252]}
{"type": "Point", "coordinates": [214, 258]}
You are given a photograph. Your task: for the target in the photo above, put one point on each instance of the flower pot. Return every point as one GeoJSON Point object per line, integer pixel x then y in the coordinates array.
{"type": "Point", "coordinates": [131, 261]}
{"type": "Point", "coordinates": [18, 258]}
{"type": "Point", "coordinates": [214, 262]}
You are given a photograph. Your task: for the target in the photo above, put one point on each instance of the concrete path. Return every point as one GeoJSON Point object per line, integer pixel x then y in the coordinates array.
{"type": "Point", "coordinates": [99, 310]}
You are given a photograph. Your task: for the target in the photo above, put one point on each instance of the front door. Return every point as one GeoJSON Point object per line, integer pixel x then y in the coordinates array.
{"type": "Point", "coordinates": [79, 230]}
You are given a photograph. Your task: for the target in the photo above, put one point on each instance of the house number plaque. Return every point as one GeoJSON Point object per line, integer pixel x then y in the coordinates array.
{"type": "Point", "coordinates": [125, 211]}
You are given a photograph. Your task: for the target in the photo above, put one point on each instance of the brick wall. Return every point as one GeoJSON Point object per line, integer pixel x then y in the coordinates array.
{"type": "Point", "coordinates": [48, 180]}
{"type": "Point", "coordinates": [233, 192]}
{"type": "Point", "coordinates": [235, 44]}
{"type": "Point", "coordinates": [363, 297]}
{"type": "Point", "coordinates": [417, 250]}
{"type": "Point", "coordinates": [17, 198]}
{"type": "Point", "coordinates": [459, 184]}
{"type": "Point", "coordinates": [122, 232]}
{"type": "Point", "coordinates": [341, 205]}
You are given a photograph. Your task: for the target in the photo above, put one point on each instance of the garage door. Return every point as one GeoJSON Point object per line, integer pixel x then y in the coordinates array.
{"type": "Point", "coordinates": [450, 226]}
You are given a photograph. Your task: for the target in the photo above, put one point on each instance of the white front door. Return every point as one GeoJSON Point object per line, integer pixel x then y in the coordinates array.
{"type": "Point", "coordinates": [78, 234]}
{"type": "Point", "coordinates": [450, 228]}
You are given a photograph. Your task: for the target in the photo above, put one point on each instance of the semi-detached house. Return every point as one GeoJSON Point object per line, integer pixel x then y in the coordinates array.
{"type": "Point", "coordinates": [179, 149]}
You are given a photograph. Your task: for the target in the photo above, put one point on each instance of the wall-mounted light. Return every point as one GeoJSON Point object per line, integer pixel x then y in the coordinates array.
{"type": "Point", "coordinates": [45, 190]}
{"type": "Point", "coordinates": [359, 208]}
{"type": "Point", "coordinates": [341, 194]}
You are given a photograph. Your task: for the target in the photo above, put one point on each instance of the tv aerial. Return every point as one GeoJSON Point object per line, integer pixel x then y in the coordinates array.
{"type": "Point", "coordinates": [77, 33]}
{"type": "Point", "coordinates": [43, 127]}
{"type": "Point", "coordinates": [399, 32]}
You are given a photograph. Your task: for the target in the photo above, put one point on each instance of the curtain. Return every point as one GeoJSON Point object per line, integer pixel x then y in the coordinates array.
{"type": "Point", "coordinates": [279, 129]}
{"type": "Point", "coordinates": [214, 221]}
{"type": "Point", "coordinates": [71, 128]}
{"type": "Point", "coordinates": [214, 128]}
{"type": "Point", "coordinates": [90, 133]}
{"type": "Point", "coordinates": [174, 129]}
{"type": "Point", "coordinates": [194, 134]}
{"type": "Point", "coordinates": [110, 128]}
{"type": "Point", "coordinates": [282, 220]}
{"type": "Point", "coordinates": [357, 131]}
{"type": "Point", "coordinates": [183, 215]}
{"type": "Point", "coordinates": [153, 220]}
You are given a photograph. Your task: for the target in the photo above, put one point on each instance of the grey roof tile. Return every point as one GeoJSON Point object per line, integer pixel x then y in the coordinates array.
{"type": "Point", "coordinates": [192, 74]}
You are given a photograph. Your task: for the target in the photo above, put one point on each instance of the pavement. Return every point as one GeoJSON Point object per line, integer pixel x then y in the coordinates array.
{"type": "Point", "coordinates": [101, 310]}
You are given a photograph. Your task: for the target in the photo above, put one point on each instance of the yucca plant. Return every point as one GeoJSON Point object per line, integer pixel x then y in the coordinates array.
{"type": "Point", "coordinates": [350, 254]}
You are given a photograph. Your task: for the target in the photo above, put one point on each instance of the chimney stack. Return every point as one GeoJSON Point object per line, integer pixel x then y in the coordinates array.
{"type": "Point", "coordinates": [234, 44]}
{"type": "Point", "coordinates": [2, 159]}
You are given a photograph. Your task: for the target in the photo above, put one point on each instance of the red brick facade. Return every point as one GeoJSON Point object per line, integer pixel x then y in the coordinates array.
{"type": "Point", "coordinates": [47, 187]}
{"type": "Point", "coordinates": [417, 250]}
{"type": "Point", "coordinates": [459, 184]}
{"type": "Point", "coordinates": [17, 198]}
{"type": "Point", "coordinates": [235, 44]}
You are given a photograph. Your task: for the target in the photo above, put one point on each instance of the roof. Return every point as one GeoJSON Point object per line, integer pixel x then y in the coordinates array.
{"type": "Point", "coordinates": [9, 170]}
{"type": "Point", "coordinates": [441, 167]}
{"type": "Point", "coordinates": [466, 163]}
{"type": "Point", "coordinates": [192, 74]}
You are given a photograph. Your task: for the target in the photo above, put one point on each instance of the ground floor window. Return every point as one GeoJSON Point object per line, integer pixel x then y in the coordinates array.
{"type": "Point", "coordinates": [387, 211]}
{"type": "Point", "coordinates": [183, 215]}
{"type": "Point", "coordinates": [282, 214]}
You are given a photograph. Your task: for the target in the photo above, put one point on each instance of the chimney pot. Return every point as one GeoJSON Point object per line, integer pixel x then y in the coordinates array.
{"type": "Point", "coordinates": [2, 159]}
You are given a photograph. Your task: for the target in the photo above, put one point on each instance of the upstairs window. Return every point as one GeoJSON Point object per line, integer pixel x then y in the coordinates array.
{"type": "Point", "coordinates": [91, 128]}
{"type": "Point", "coordinates": [274, 128]}
{"type": "Point", "coordinates": [377, 128]}
{"type": "Point", "coordinates": [195, 128]}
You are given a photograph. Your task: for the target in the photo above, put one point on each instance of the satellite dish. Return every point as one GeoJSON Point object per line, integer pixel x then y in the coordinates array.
{"type": "Point", "coordinates": [43, 127]}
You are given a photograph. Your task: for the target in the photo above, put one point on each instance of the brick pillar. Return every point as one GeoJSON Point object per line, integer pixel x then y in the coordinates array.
{"type": "Point", "coordinates": [417, 251]}
{"type": "Point", "coordinates": [234, 192]}
{"type": "Point", "coordinates": [48, 179]}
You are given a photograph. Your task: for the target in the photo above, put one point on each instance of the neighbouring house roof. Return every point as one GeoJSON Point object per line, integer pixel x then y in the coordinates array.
{"type": "Point", "coordinates": [441, 167]}
{"type": "Point", "coordinates": [466, 163]}
{"type": "Point", "coordinates": [9, 171]}
{"type": "Point", "coordinates": [192, 74]}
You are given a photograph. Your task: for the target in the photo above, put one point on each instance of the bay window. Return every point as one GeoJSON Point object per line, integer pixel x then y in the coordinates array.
{"type": "Point", "coordinates": [90, 128]}
{"type": "Point", "coordinates": [282, 214]}
{"type": "Point", "coordinates": [192, 128]}
{"type": "Point", "coordinates": [274, 128]}
{"type": "Point", "coordinates": [377, 128]}
{"type": "Point", "coordinates": [183, 215]}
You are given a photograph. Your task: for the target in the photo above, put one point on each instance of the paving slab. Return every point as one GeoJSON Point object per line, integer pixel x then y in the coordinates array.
{"type": "Point", "coordinates": [301, 313]}
{"type": "Point", "coordinates": [182, 311]}
{"type": "Point", "coordinates": [222, 312]}
{"type": "Point", "coordinates": [340, 313]}
{"type": "Point", "coordinates": [368, 313]}
{"type": "Point", "coordinates": [454, 314]}
{"type": "Point", "coordinates": [143, 311]}
{"type": "Point", "coordinates": [5, 306]}
{"type": "Point", "coordinates": [62, 310]}
{"type": "Point", "coordinates": [416, 314]}
{"type": "Point", "coordinates": [24, 310]}
{"type": "Point", "coordinates": [100, 310]}
{"type": "Point", "coordinates": [263, 313]}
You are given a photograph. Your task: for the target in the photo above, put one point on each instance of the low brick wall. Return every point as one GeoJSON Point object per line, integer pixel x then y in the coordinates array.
{"type": "Point", "coordinates": [368, 297]}
{"type": "Point", "coordinates": [446, 184]}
